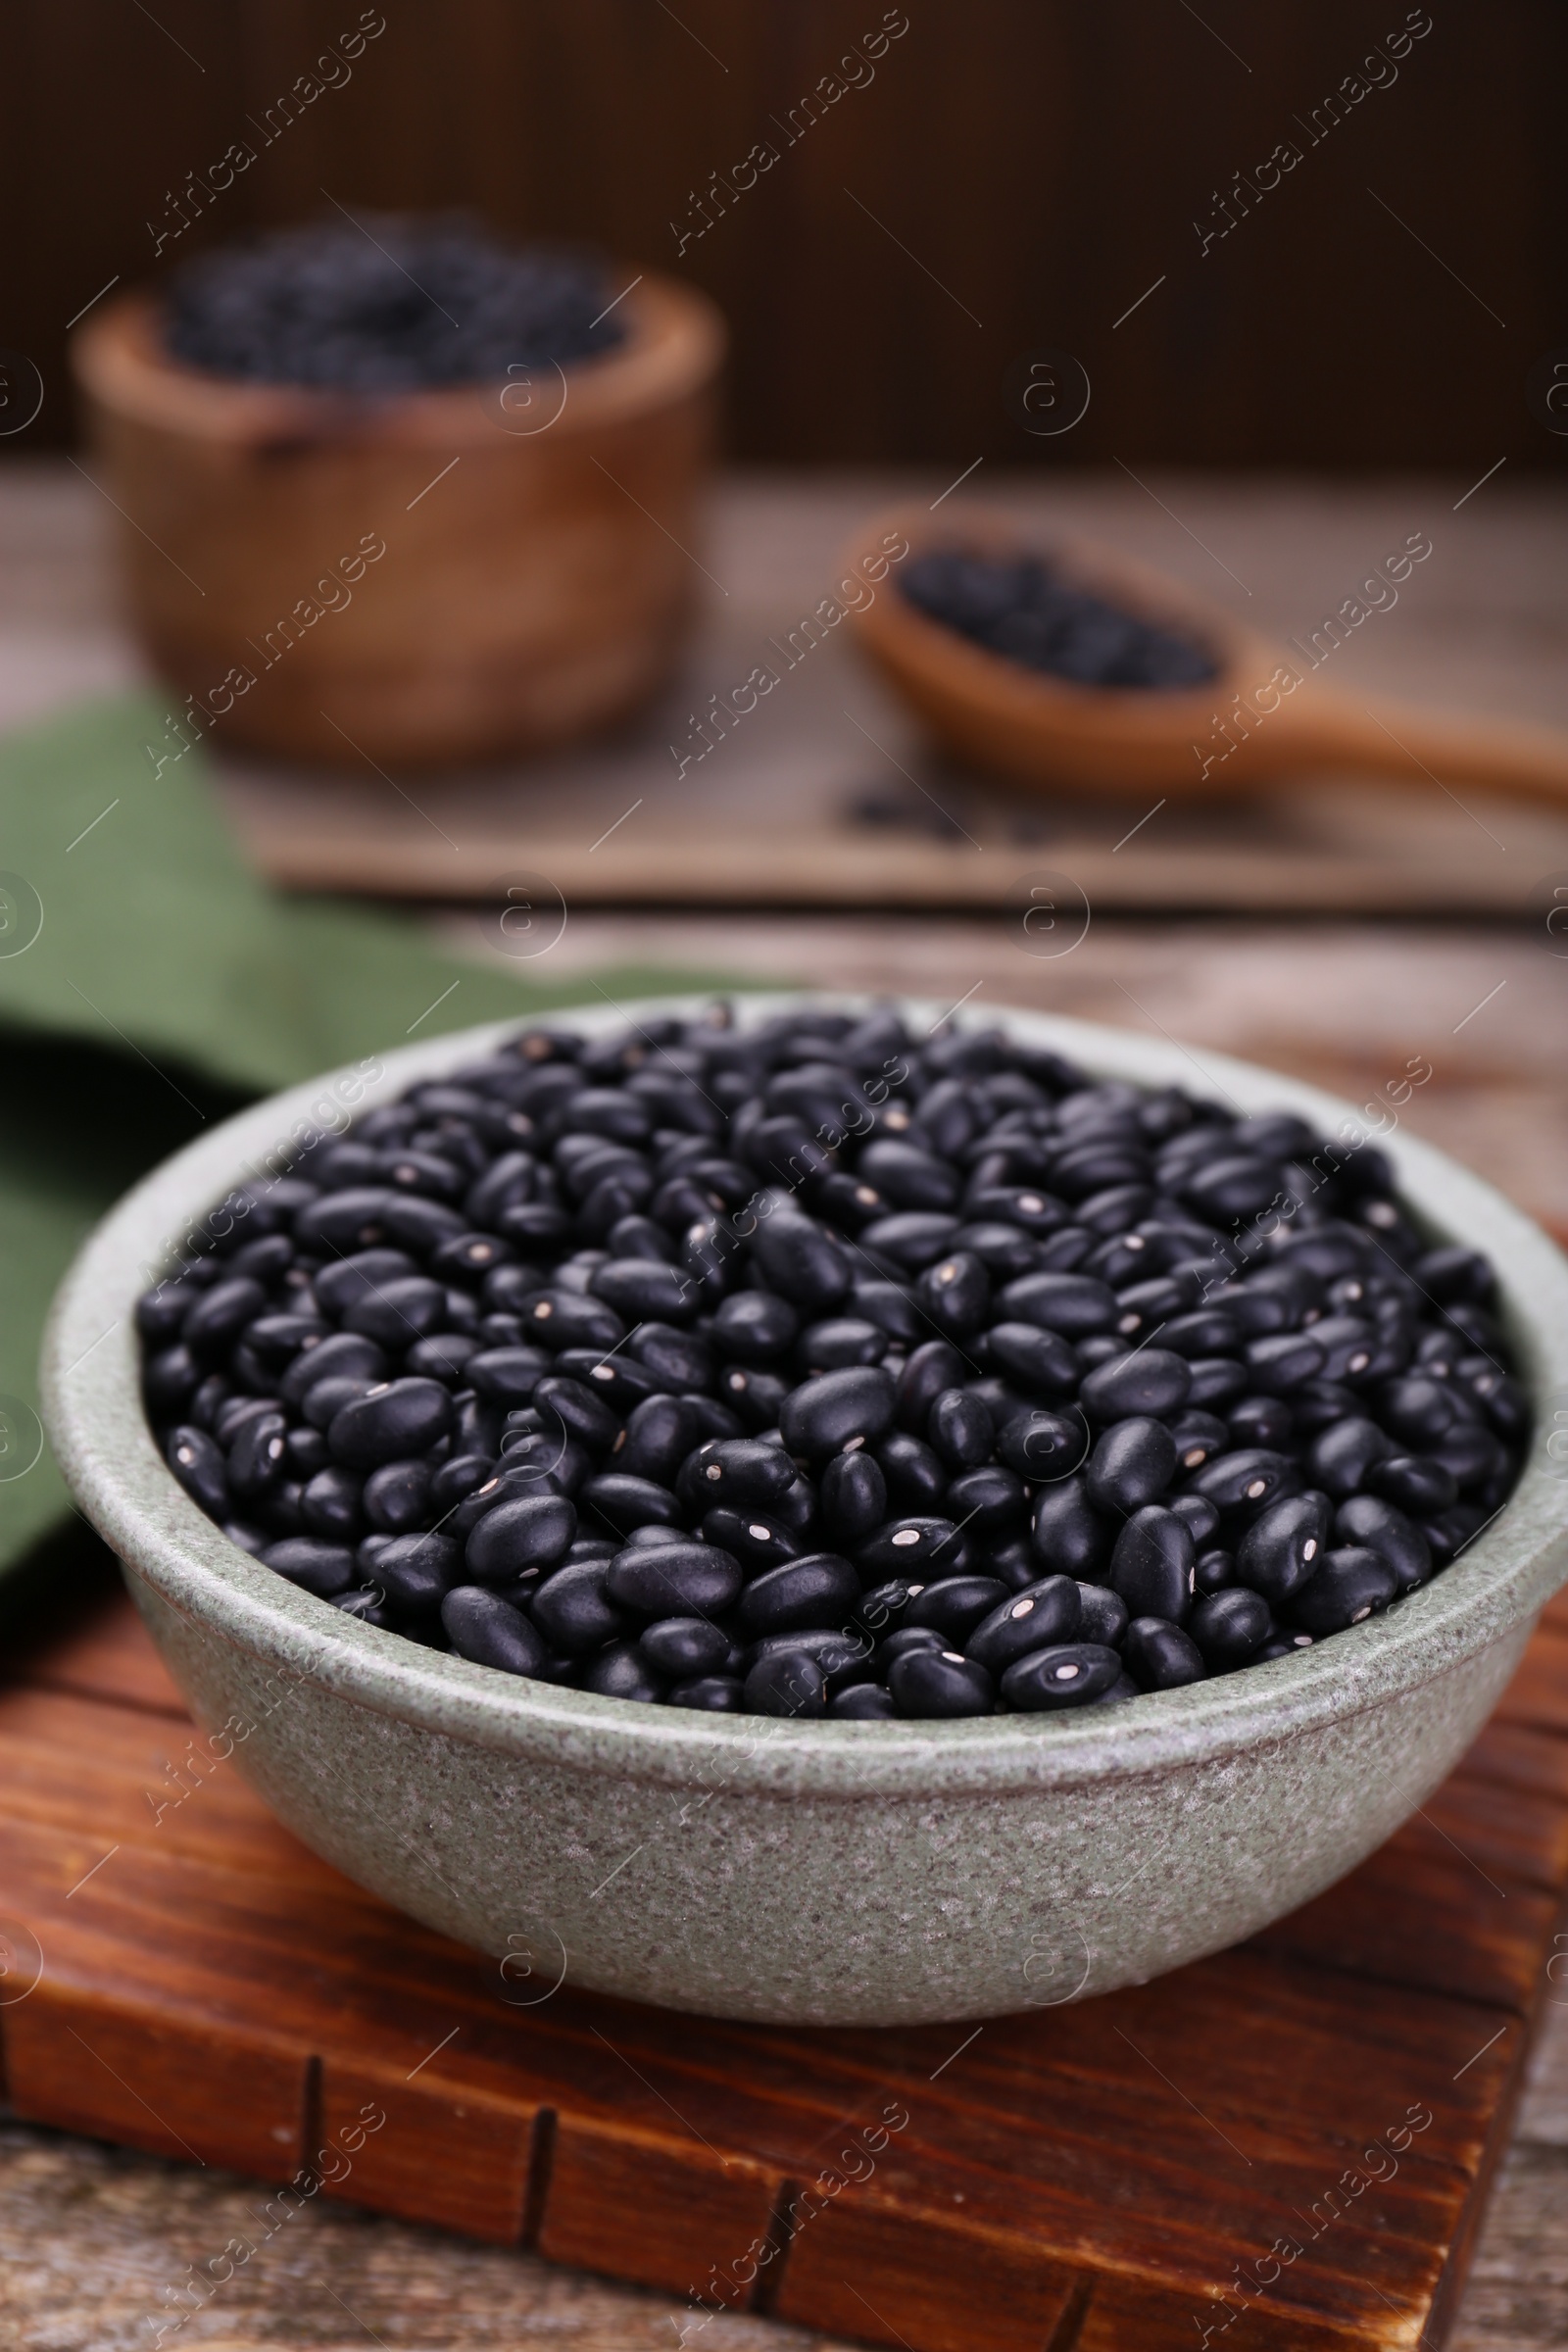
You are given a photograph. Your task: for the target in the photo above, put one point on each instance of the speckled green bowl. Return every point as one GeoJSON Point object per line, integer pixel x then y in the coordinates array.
{"type": "Point", "coordinates": [810, 1873]}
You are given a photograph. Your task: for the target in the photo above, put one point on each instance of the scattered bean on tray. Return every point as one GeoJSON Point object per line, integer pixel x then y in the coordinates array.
{"type": "Point", "coordinates": [815, 1368]}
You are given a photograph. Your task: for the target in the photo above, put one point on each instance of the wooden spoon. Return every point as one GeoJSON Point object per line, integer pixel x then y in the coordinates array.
{"type": "Point", "coordinates": [1265, 715]}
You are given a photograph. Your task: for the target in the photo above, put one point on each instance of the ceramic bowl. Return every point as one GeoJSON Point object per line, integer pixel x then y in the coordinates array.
{"type": "Point", "coordinates": [420, 580]}
{"type": "Point", "coordinates": [814, 1873]}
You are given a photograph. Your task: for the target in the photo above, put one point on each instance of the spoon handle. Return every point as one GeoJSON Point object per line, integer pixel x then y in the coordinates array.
{"type": "Point", "coordinates": [1412, 746]}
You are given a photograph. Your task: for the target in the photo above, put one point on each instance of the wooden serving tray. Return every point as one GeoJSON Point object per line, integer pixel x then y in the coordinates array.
{"type": "Point", "coordinates": [1127, 2173]}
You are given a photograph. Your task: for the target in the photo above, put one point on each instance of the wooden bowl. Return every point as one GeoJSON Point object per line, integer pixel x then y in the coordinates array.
{"type": "Point", "coordinates": [530, 585]}
{"type": "Point", "coordinates": [1263, 714]}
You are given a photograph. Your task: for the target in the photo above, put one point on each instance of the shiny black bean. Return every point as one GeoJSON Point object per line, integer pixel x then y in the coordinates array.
{"type": "Point", "coordinates": [1228, 1627]}
{"type": "Point", "coordinates": [862, 1702]}
{"type": "Point", "coordinates": [1151, 1565]}
{"type": "Point", "coordinates": [1283, 1549]}
{"type": "Point", "coordinates": [1206, 1332]}
{"type": "Point", "coordinates": [940, 1683]}
{"type": "Point", "coordinates": [1470, 1453]}
{"type": "Point", "coordinates": [507, 1375]}
{"type": "Point", "coordinates": [820, 1416]}
{"type": "Point", "coordinates": [678, 1579]}
{"type": "Point", "coordinates": [1068, 1674]}
{"type": "Point", "coordinates": [786, 1682]}
{"type": "Point", "coordinates": [903, 1640]}
{"type": "Point", "coordinates": [1417, 1409]}
{"type": "Point", "coordinates": [1160, 1656]}
{"type": "Point", "coordinates": [683, 1647]}
{"type": "Point", "coordinates": [1071, 1304]}
{"type": "Point", "coordinates": [677, 1359]}
{"type": "Point", "coordinates": [853, 1497]}
{"type": "Point", "coordinates": [916, 1546]}
{"type": "Point", "coordinates": [520, 1533]}
{"type": "Point", "coordinates": [1216, 1381]}
{"type": "Point", "coordinates": [415, 1571]}
{"type": "Point", "coordinates": [397, 1313]}
{"type": "Point", "coordinates": [1133, 1464]}
{"type": "Point", "coordinates": [840, 1341]}
{"type": "Point", "coordinates": [911, 1240]}
{"type": "Point", "coordinates": [330, 1505]}
{"type": "Point", "coordinates": [708, 1694]}
{"type": "Point", "coordinates": [343, 1357]}
{"type": "Point", "coordinates": [1102, 1616]}
{"type": "Point", "coordinates": [801, 1593]}
{"type": "Point", "coordinates": [392, 1421]}
{"type": "Point", "coordinates": [891, 1308]}
{"type": "Point", "coordinates": [933, 1367]}
{"type": "Point", "coordinates": [802, 1263]}
{"type": "Point", "coordinates": [1248, 1481]}
{"type": "Point", "coordinates": [483, 1627]}
{"type": "Point", "coordinates": [989, 1501]}
{"type": "Point", "coordinates": [1040, 1361]}
{"type": "Point", "coordinates": [658, 1435]}
{"type": "Point", "coordinates": [574, 1406]}
{"type": "Point", "coordinates": [1348, 1585]}
{"type": "Point", "coordinates": [959, 1430]}
{"type": "Point", "coordinates": [742, 1473]}
{"type": "Point", "coordinates": [956, 1294]}
{"type": "Point", "coordinates": [1042, 1447]}
{"type": "Point", "coordinates": [220, 1315]}
{"type": "Point", "coordinates": [397, 1496]}
{"type": "Point", "coordinates": [623, 1672]}
{"type": "Point", "coordinates": [443, 1356]}
{"type": "Point", "coordinates": [1050, 1611]}
{"type": "Point", "coordinates": [619, 1378]}
{"type": "Point", "coordinates": [842, 1655]}
{"type": "Point", "coordinates": [1201, 1518]}
{"type": "Point", "coordinates": [1068, 1534]}
{"type": "Point", "coordinates": [1366, 1519]}
{"type": "Point", "coordinates": [620, 1503]}
{"type": "Point", "coordinates": [954, 1605]}
{"type": "Point", "coordinates": [1266, 1421]}
{"type": "Point", "coordinates": [574, 1611]}
{"type": "Point", "coordinates": [756, 1541]}
{"type": "Point", "coordinates": [1149, 1383]}
{"type": "Point", "coordinates": [915, 1475]}
{"type": "Point", "coordinates": [198, 1464]}
{"type": "Point", "coordinates": [1413, 1483]}
{"type": "Point", "coordinates": [313, 1563]}
{"type": "Point", "coordinates": [756, 1394]}
{"type": "Point", "coordinates": [258, 1458]}
{"type": "Point", "coordinates": [1214, 1571]}
{"type": "Point", "coordinates": [275, 1339]}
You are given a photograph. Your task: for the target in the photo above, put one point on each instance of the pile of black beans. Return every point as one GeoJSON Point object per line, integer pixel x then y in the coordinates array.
{"type": "Point", "coordinates": [404, 303]}
{"type": "Point", "coordinates": [817, 1367]}
{"type": "Point", "coordinates": [1019, 607]}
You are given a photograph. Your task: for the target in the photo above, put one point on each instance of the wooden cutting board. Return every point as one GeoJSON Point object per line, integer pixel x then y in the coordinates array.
{"type": "Point", "coordinates": [1134, 2172]}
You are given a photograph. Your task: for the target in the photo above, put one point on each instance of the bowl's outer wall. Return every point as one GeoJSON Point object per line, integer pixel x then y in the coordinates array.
{"type": "Point", "coordinates": [828, 1873]}
{"type": "Point", "coordinates": [826, 1910]}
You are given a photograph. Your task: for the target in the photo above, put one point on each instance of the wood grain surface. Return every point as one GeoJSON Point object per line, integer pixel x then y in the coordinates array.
{"type": "Point", "coordinates": [208, 1991]}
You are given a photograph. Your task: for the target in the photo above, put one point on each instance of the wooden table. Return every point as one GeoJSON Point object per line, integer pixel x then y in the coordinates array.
{"type": "Point", "coordinates": [89, 2236]}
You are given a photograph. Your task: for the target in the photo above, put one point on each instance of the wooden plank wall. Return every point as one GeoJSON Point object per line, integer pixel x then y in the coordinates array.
{"type": "Point", "coordinates": [1006, 175]}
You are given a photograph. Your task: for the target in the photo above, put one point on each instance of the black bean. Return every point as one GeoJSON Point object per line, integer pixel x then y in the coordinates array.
{"type": "Point", "coordinates": [1067, 1533]}
{"type": "Point", "coordinates": [843, 1655]}
{"type": "Point", "coordinates": [1248, 1481]}
{"type": "Point", "coordinates": [574, 1611]}
{"type": "Point", "coordinates": [489, 1631]}
{"type": "Point", "coordinates": [854, 1496]}
{"type": "Point", "coordinates": [954, 1605]}
{"type": "Point", "coordinates": [1160, 1656]}
{"type": "Point", "coordinates": [198, 1464]}
{"type": "Point", "coordinates": [915, 1475]}
{"type": "Point", "coordinates": [956, 1294]}
{"type": "Point", "coordinates": [820, 1416]}
{"type": "Point", "coordinates": [660, 1434]}
{"type": "Point", "coordinates": [330, 1505]}
{"type": "Point", "coordinates": [802, 1263]}
{"type": "Point", "coordinates": [393, 1420]}
{"type": "Point", "coordinates": [683, 1647]}
{"type": "Point", "coordinates": [623, 1672]}
{"type": "Point", "coordinates": [991, 1499]}
{"type": "Point", "coordinates": [397, 1496]}
{"type": "Point", "coordinates": [1102, 1616]}
{"type": "Point", "coordinates": [1150, 1382]}
{"type": "Point", "coordinates": [709, 1694]}
{"type": "Point", "coordinates": [1068, 1674]}
{"type": "Point", "coordinates": [678, 1577]}
{"type": "Point", "coordinates": [1042, 1447]}
{"type": "Point", "coordinates": [1207, 1332]}
{"type": "Point", "coordinates": [959, 1430]}
{"type": "Point", "coordinates": [1366, 1519]}
{"type": "Point", "coordinates": [1228, 1626]}
{"type": "Point", "coordinates": [914, 1544]}
{"type": "Point", "coordinates": [1470, 1453]}
{"type": "Point", "coordinates": [1417, 1409]}
{"type": "Point", "coordinates": [1038, 1360]}
{"type": "Point", "coordinates": [757, 1541]}
{"type": "Point", "coordinates": [1214, 1571]}
{"type": "Point", "coordinates": [933, 1367]}
{"type": "Point", "coordinates": [842, 1340]}
{"type": "Point", "coordinates": [891, 1308]}
{"type": "Point", "coordinates": [415, 1571]}
{"type": "Point", "coordinates": [787, 1682]}
{"type": "Point", "coordinates": [522, 1532]}
{"type": "Point", "coordinates": [574, 1406]}
{"type": "Point", "coordinates": [1133, 1464]}
{"type": "Point", "coordinates": [862, 1702]}
{"type": "Point", "coordinates": [1050, 1611]}
{"type": "Point", "coordinates": [1266, 1421]}
{"type": "Point", "coordinates": [742, 1473]}
{"type": "Point", "coordinates": [312, 1563]}
{"type": "Point", "coordinates": [1348, 1585]}
{"type": "Point", "coordinates": [214, 1322]}
{"type": "Point", "coordinates": [801, 1593]}
{"type": "Point", "coordinates": [1413, 1483]}
{"type": "Point", "coordinates": [344, 1356]}
{"type": "Point", "coordinates": [882, 1610]}
{"type": "Point", "coordinates": [1284, 1546]}
{"type": "Point", "coordinates": [1073, 1304]}
{"type": "Point", "coordinates": [938, 1683]}
{"type": "Point", "coordinates": [1151, 1565]}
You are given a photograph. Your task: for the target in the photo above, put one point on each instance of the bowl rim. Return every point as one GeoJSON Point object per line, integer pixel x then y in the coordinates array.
{"type": "Point", "coordinates": [94, 1419]}
{"type": "Point", "coordinates": [676, 344]}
